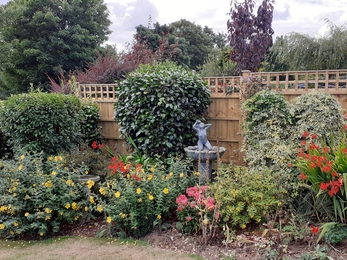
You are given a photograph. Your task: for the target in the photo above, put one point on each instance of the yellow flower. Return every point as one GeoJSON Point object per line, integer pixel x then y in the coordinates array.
{"type": "Point", "coordinates": [122, 215]}
{"type": "Point", "coordinates": [86, 208]}
{"type": "Point", "coordinates": [20, 167]}
{"type": "Point", "coordinates": [2, 226]}
{"type": "Point", "coordinates": [159, 217]}
{"type": "Point", "coordinates": [90, 184]}
{"type": "Point", "coordinates": [138, 190]}
{"type": "Point", "coordinates": [91, 199]}
{"type": "Point", "coordinates": [182, 175]}
{"type": "Point", "coordinates": [243, 226]}
{"type": "Point", "coordinates": [12, 232]}
{"type": "Point", "coordinates": [171, 173]}
{"type": "Point", "coordinates": [48, 184]}
{"type": "Point", "coordinates": [102, 191]}
{"type": "Point", "coordinates": [75, 206]}
{"type": "Point", "coordinates": [54, 173]}
{"type": "Point", "coordinates": [152, 169]}
{"type": "Point", "coordinates": [26, 214]}
{"type": "Point", "coordinates": [67, 205]}
{"type": "Point", "coordinates": [56, 158]}
{"type": "Point", "coordinates": [150, 196]}
{"type": "Point", "coordinates": [41, 234]}
{"type": "Point", "coordinates": [117, 194]}
{"type": "Point", "coordinates": [47, 217]}
{"type": "Point", "coordinates": [139, 200]}
{"type": "Point", "coordinates": [150, 177]}
{"type": "Point", "coordinates": [70, 182]}
{"type": "Point", "coordinates": [166, 190]}
{"type": "Point", "coordinates": [22, 157]}
{"type": "Point", "coordinates": [48, 210]}
{"type": "Point", "coordinates": [197, 173]}
{"type": "Point", "coordinates": [86, 172]}
{"type": "Point", "coordinates": [3, 208]}
{"type": "Point", "coordinates": [77, 217]}
{"type": "Point", "coordinates": [50, 158]}
{"type": "Point", "coordinates": [205, 221]}
{"type": "Point", "coordinates": [99, 208]}
{"type": "Point", "coordinates": [15, 224]}
{"type": "Point", "coordinates": [109, 220]}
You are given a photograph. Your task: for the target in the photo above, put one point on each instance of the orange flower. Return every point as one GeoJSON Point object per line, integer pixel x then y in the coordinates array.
{"type": "Point", "coordinates": [302, 176]}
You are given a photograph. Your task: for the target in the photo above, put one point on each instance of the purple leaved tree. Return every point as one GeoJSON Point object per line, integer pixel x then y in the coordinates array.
{"type": "Point", "coordinates": [249, 34]}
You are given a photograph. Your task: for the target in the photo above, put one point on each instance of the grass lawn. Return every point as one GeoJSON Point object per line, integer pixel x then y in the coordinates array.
{"type": "Point", "coordinates": [85, 248]}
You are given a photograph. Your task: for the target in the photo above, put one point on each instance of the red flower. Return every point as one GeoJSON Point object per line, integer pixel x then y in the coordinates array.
{"type": "Point", "coordinates": [94, 145]}
{"type": "Point", "coordinates": [314, 136]}
{"type": "Point", "coordinates": [326, 149]}
{"type": "Point", "coordinates": [305, 134]}
{"type": "Point", "coordinates": [326, 168]}
{"type": "Point", "coordinates": [302, 176]}
{"type": "Point", "coordinates": [334, 174]}
{"type": "Point", "coordinates": [313, 147]}
{"type": "Point", "coordinates": [344, 150]}
{"type": "Point", "coordinates": [303, 143]}
{"type": "Point", "coordinates": [289, 165]}
{"type": "Point", "coordinates": [334, 190]}
{"type": "Point", "coordinates": [324, 186]}
{"type": "Point", "coordinates": [312, 165]}
{"type": "Point", "coordinates": [189, 218]}
{"type": "Point", "coordinates": [101, 146]}
{"type": "Point", "coordinates": [314, 230]}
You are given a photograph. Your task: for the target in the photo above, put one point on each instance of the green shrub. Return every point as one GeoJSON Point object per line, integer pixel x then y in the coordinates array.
{"type": "Point", "coordinates": [90, 129]}
{"type": "Point", "coordinates": [38, 195]}
{"type": "Point", "coordinates": [246, 196]}
{"type": "Point", "coordinates": [336, 235]}
{"type": "Point", "coordinates": [137, 199]}
{"type": "Point", "coordinates": [267, 140]}
{"type": "Point", "coordinates": [45, 122]}
{"type": "Point", "coordinates": [158, 105]}
{"type": "Point", "coordinates": [316, 112]}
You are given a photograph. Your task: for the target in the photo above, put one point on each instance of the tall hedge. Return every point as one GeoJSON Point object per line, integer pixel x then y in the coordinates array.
{"type": "Point", "coordinates": [48, 122]}
{"type": "Point", "coordinates": [158, 105]}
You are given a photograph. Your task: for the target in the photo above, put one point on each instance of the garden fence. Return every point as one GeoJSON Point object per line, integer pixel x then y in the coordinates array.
{"type": "Point", "coordinates": [224, 113]}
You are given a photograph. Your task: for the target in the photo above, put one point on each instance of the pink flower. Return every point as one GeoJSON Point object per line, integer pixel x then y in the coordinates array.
{"type": "Point", "coordinates": [189, 218]}
{"type": "Point", "coordinates": [182, 200]}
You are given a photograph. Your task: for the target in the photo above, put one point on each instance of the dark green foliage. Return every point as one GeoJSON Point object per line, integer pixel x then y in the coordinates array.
{"type": "Point", "coordinates": [316, 112]}
{"type": "Point", "coordinates": [45, 35]}
{"type": "Point", "coordinates": [42, 122]}
{"type": "Point", "coordinates": [90, 129]}
{"type": "Point", "coordinates": [5, 148]}
{"type": "Point", "coordinates": [158, 105]}
{"type": "Point", "coordinates": [336, 235]}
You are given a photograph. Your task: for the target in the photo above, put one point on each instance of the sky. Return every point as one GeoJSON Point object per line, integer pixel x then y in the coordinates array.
{"type": "Point", "coordinates": [303, 16]}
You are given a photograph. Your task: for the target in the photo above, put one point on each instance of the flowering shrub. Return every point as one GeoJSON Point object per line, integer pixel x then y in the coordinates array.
{"type": "Point", "coordinates": [135, 199]}
{"type": "Point", "coordinates": [323, 166]}
{"type": "Point", "coordinates": [245, 196]}
{"type": "Point", "coordinates": [37, 196]}
{"type": "Point", "coordinates": [195, 209]}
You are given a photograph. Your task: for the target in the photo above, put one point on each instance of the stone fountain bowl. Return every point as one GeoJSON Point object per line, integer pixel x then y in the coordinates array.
{"type": "Point", "coordinates": [204, 155]}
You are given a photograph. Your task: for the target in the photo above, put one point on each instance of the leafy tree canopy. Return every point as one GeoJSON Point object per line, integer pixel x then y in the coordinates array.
{"type": "Point", "coordinates": [249, 35]}
{"type": "Point", "coordinates": [46, 35]}
{"type": "Point", "coordinates": [191, 43]}
{"type": "Point", "coordinates": [296, 51]}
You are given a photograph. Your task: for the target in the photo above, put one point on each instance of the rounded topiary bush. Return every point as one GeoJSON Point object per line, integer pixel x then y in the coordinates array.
{"type": "Point", "coordinates": [316, 112]}
{"type": "Point", "coordinates": [158, 105]}
{"type": "Point", "coordinates": [47, 122]}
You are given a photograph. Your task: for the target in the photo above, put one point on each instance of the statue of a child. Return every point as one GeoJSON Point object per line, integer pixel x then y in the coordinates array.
{"type": "Point", "coordinates": [201, 130]}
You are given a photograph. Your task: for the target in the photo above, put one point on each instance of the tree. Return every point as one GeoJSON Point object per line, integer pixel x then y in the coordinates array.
{"type": "Point", "coordinates": [296, 51]}
{"type": "Point", "coordinates": [46, 35]}
{"type": "Point", "coordinates": [190, 43]}
{"type": "Point", "coordinates": [249, 35]}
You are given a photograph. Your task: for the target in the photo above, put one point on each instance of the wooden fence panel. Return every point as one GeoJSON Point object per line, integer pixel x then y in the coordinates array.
{"type": "Point", "coordinates": [224, 113]}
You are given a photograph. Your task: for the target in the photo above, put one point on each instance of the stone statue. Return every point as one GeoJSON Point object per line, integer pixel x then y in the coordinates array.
{"type": "Point", "coordinates": [201, 130]}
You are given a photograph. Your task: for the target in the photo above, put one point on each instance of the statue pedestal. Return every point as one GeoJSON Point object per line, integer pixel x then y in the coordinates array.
{"type": "Point", "coordinates": [204, 159]}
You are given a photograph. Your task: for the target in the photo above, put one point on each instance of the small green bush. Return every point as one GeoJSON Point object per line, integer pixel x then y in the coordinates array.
{"type": "Point", "coordinates": [137, 199]}
{"type": "Point", "coordinates": [90, 129]}
{"type": "Point", "coordinates": [47, 122]}
{"type": "Point", "coordinates": [158, 105]}
{"type": "Point", "coordinates": [38, 195]}
{"type": "Point", "coordinates": [316, 112]}
{"type": "Point", "coordinates": [246, 196]}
